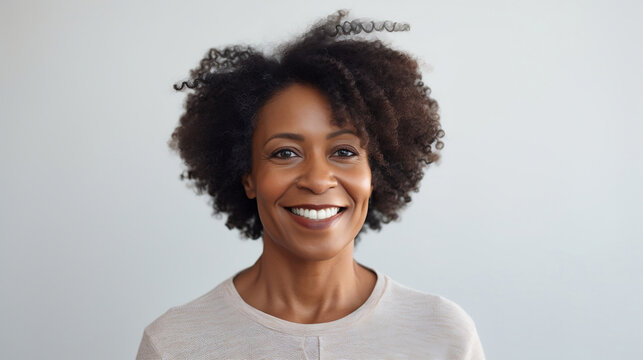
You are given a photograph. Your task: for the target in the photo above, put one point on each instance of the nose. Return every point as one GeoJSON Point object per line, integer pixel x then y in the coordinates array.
{"type": "Point", "coordinates": [317, 175]}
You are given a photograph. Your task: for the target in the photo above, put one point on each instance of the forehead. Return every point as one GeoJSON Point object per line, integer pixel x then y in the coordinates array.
{"type": "Point", "coordinates": [297, 108]}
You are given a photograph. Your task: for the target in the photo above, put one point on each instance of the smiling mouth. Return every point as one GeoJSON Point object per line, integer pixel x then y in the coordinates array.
{"type": "Point", "coordinates": [312, 214]}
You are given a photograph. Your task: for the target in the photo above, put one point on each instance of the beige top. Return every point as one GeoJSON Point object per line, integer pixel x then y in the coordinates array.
{"type": "Point", "coordinates": [395, 322]}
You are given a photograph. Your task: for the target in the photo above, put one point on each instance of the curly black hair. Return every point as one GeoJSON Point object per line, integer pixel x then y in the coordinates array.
{"type": "Point", "coordinates": [371, 86]}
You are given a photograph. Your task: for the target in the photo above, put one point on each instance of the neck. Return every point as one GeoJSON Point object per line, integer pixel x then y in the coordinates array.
{"type": "Point", "coordinates": [305, 291]}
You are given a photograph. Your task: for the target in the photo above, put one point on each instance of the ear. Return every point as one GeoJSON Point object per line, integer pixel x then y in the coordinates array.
{"type": "Point", "coordinates": [249, 186]}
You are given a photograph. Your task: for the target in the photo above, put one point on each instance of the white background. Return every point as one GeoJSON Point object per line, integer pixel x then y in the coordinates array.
{"type": "Point", "coordinates": [531, 222]}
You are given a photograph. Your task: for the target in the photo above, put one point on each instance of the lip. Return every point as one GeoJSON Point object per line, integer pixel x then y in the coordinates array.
{"type": "Point", "coordinates": [314, 207]}
{"type": "Point", "coordinates": [315, 224]}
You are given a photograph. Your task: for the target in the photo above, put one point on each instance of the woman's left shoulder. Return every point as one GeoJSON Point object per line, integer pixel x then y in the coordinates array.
{"type": "Point", "coordinates": [423, 304]}
{"type": "Point", "coordinates": [442, 319]}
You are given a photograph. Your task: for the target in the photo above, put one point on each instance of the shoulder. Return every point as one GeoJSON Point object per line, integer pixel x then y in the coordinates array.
{"type": "Point", "coordinates": [442, 321]}
{"type": "Point", "coordinates": [197, 323]}
{"type": "Point", "coordinates": [184, 315]}
{"type": "Point", "coordinates": [433, 306]}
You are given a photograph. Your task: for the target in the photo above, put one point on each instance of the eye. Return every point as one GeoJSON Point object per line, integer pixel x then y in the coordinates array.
{"type": "Point", "coordinates": [344, 152]}
{"type": "Point", "coordinates": [284, 154]}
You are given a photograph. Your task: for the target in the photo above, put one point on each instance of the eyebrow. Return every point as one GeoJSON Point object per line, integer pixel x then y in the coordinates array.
{"type": "Point", "coordinates": [293, 136]}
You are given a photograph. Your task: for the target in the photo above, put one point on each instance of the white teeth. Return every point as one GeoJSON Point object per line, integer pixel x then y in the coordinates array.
{"type": "Point", "coordinates": [315, 214]}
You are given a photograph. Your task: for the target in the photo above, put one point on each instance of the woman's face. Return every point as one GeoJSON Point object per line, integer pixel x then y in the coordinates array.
{"type": "Point", "coordinates": [311, 178]}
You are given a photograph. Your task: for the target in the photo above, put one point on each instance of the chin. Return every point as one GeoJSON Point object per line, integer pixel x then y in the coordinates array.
{"type": "Point", "coordinates": [321, 253]}
{"type": "Point", "coordinates": [316, 248]}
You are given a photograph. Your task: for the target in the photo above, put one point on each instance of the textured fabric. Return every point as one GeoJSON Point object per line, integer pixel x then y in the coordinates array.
{"type": "Point", "coordinates": [395, 322]}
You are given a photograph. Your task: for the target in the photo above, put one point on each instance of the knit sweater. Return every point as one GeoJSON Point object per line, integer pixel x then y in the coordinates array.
{"type": "Point", "coordinates": [395, 322]}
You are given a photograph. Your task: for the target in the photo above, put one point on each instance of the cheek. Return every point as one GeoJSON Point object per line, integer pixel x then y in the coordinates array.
{"type": "Point", "coordinates": [271, 185]}
{"type": "Point", "coordinates": [358, 183]}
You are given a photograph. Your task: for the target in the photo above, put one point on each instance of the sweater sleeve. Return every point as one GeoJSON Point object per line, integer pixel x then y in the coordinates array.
{"type": "Point", "coordinates": [473, 349]}
{"type": "Point", "coordinates": [147, 350]}
{"type": "Point", "coordinates": [459, 331]}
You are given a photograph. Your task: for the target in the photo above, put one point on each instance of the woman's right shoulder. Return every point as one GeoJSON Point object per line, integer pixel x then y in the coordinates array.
{"type": "Point", "coordinates": [209, 316]}
{"type": "Point", "coordinates": [208, 305]}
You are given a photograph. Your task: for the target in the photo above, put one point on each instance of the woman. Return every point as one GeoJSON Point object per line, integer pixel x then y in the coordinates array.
{"type": "Point", "coordinates": [304, 149]}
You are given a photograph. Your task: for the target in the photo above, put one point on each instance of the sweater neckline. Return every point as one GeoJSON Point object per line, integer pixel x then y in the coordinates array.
{"type": "Point", "coordinates": [299, 329]}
